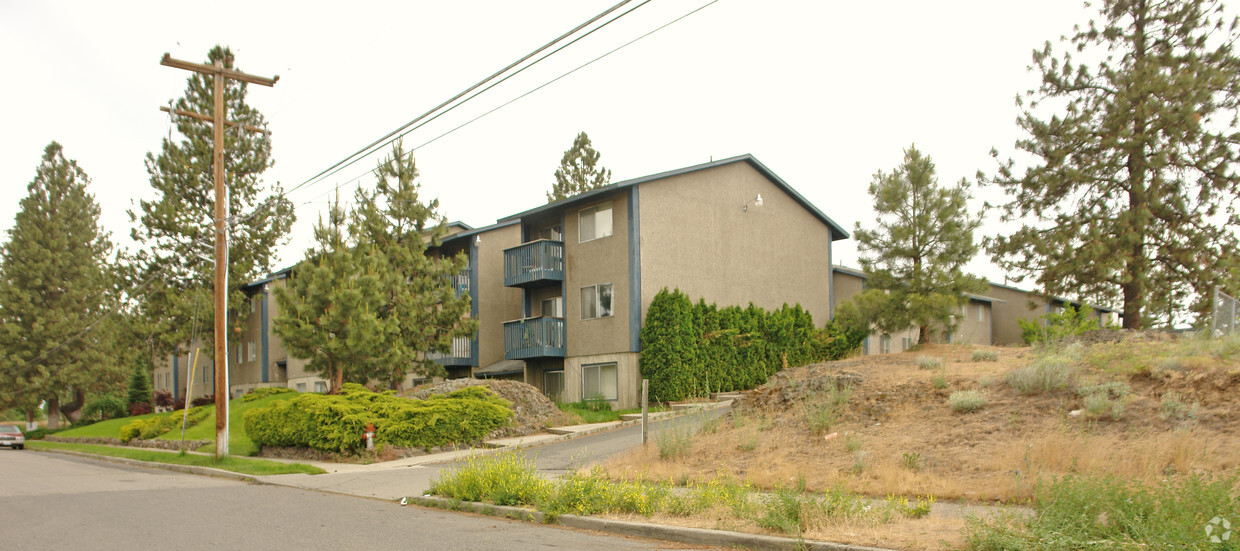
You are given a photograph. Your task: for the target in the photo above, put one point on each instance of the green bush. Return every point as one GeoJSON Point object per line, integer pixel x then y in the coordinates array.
{"type": "Point", "coordinates": [691, 350]}
{"type": "Point", "coordinates": [338, 422]}
{"type": "Point", "coordinates": [153, 427]}
{"type": "Point", "coordinates": [985, 355]}
{"type": "Point", "coordinates": [1057, 326]}
{"type": "Point", "coordinates": [929, 362]}
{"type": "Point", "coordinates": [263, 392]}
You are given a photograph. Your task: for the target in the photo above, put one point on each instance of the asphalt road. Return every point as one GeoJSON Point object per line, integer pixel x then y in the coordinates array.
{"type": "Point", "coordinates": [50, 501]}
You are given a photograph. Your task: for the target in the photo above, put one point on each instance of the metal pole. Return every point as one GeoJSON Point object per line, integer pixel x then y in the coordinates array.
{"type": "Point", "coordinates": [645, 409]}
{"type": "Point", "coordinates": [221, 272]}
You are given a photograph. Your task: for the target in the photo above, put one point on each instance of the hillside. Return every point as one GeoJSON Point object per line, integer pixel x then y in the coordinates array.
{"type": "Point", "coordinates": [1143, 407]}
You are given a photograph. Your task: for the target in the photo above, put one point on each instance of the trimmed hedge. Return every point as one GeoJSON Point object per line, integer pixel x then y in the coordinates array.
{"type": "Point", "coordinates": [337, 423]}
{"type": "Point", "coordinates": [692, 350]}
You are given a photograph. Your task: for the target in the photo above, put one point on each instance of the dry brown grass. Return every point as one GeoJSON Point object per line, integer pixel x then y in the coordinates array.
{"type": "Point", "coordinates": [995, 454]}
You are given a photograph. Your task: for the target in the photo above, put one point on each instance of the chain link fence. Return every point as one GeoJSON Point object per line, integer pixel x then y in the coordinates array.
{"type": "Point", "coordinates": [1223, 315]}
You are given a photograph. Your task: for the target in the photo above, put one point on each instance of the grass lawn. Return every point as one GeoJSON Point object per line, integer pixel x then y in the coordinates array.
{"type": "Point", "coordinates": [605, 415]}
{"type": "Point", "coordinates": [238, 442]}
{"type": "Point", "coordinates": [234, 464]}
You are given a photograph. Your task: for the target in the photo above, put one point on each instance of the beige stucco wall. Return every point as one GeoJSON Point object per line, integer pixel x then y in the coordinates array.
{"type": "Point", "coordinates": [496, 303]}
{"type": "Point", "coordinates": [1016, 305]}
{"type": "Point", "coordinates": [602, 260]}
{"type": "Point", "coordinates": [628, 377]}
{"type": "Point", "coordinates": [972, 328]}
{"type": "Point", "coordinates": [164, 380]}
{"type": "Point", "coordinates": [695, 236]}
{"type": "Point", "coordinates": [845, 286]}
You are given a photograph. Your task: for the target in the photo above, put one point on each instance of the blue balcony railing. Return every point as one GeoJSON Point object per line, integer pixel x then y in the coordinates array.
{"type": "Point", "coordinates": [534, 262]}
{"type": "Point", "coordinates": [534, 338]}
{"type": "Point", "coordinates": [460, 282]}
{"type": "Point", "coordinates": [461, 354]}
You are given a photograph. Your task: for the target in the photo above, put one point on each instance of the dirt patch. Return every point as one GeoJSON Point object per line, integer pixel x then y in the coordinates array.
{"type": "Point", "coordinates": [532, 411]}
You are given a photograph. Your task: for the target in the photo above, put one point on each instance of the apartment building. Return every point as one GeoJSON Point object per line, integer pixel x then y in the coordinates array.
{"type": "Point", "coordinates": [560, 290]}
{"type": "Point", "coordinates": [989, 319]}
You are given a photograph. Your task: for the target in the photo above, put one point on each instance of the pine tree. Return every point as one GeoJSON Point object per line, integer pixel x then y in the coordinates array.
{"type": "Point", "coordinates": [140, 389]}
{"type": "Point", "coordinates": [914, 257]}
{"type": "Point", "coordinates": [176, 229]}
{"type": "Point", "coordinates": [422, 306]}
{"type": "Point", "coordinates": [329, 309]}
{"type": "Point", "coordinates": [579, 171]}
{"type": "Point", "coordinates": [1133, 187]}
{"type": "Point", "coordinates": [53, 285]}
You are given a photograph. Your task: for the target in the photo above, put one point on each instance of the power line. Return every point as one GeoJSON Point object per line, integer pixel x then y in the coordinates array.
{"type": "Point", "coordinates": [458, 96]}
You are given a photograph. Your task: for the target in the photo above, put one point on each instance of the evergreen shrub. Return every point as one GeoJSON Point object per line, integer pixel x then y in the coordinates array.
{"type": "Point", "coordinates": [691, 350]}
{"type": "Point", "coordinates": [338, 422]}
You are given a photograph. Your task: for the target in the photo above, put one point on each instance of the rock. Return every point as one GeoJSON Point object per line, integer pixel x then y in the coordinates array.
{"type": "Point", "coordinates": [532, 411]}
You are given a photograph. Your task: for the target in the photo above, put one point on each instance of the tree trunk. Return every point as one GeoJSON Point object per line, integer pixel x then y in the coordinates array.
{"type": "Point", "coordinates": [923, 335]}
{"type": "Point", "coordinates": [53, 413]}
{"type": "Point", "coordinates": [30, 424]}
{"type": "Point", "coordinates": [73, 410]}
{"type": "Point", "coordinates": [1138, 200]}
{"type": "Point", "coordinates": [337, 380]}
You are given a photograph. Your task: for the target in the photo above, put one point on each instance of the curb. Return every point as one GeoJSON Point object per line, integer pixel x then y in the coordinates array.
{"type": "Point", "coordinates": [679, 534]}
{"type": "Point", "coordinates": [189, 469]}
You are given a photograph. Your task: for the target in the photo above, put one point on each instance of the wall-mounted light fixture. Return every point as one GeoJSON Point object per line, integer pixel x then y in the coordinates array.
{"type": "Point", "coordinates": [477, 240]}
{"type": "Point", "coordinates": [757, 202]}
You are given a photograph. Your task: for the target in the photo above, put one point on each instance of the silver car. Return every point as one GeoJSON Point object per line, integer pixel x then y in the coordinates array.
{"type": "Point", "coordinates": [12, 437]}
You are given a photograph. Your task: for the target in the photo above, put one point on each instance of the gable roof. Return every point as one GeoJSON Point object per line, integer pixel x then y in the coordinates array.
{"type": "Point", "coordinates": [837, 232]}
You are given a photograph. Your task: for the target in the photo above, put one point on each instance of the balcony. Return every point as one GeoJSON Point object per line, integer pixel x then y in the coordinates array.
{"type": "Point", "coordinates": [534, 263]}
{"type": "Point", "coordinates": [460, 283]}
{"type": "Point", "coordinates": [534, 338]}
{"type": "Point", "coordinates": [461, 354]}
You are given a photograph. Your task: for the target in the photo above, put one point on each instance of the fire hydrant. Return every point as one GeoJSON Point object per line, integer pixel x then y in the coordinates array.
{"type": "Point", "coordinates": [370, 436]}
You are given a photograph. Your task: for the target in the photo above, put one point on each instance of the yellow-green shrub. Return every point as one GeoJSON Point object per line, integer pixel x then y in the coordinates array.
{"type": "Point", "coordinates": [338, 422]}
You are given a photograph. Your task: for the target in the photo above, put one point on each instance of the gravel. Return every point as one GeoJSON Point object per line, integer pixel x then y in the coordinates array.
{"type": "Point", "coordinates": [532, 411]}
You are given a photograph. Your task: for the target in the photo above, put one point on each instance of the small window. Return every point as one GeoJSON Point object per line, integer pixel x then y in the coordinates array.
{"type": "Point", "coordinates": [884, 344]}
{"type": "Point", "coordinates": [906, 342]}
{"type": "Point", "coordinates": [553, 384]}
{"type": "Point", "coordinates": [320, 387]}
{"type": "Point", "coordinates": [981, 312]}
{"type": "Point", "coordinates": [594, 222]}
{"type": "Point", "coordinates": [254, 304]}
{"type": "Point", "coordinates": [599, 380]}
{"type": "Point", "coordinates": [301, 387]}
{"type": "Point", "coordinates": [253, 351]}
{"type": "Point", "coordinates": [553, 233]}
{"type": "Point", "coordinates": [553, 307]}
{"type": "Point", "coordinates": [596, 301]}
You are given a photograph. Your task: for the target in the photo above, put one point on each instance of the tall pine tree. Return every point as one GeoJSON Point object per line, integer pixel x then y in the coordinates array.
{"type": "Point", "coordinates": [579, 171]}
{"type": "Point", "coordinates": [422, 306]}
{"type": "Point", "coordinates": [176, 228]}
{"type": "Point", "coordinates": [915, 255]}
{"type": "Point", "coordinates": [54, 284]}
{"type": "Point", "coordinates": [1133, 131]}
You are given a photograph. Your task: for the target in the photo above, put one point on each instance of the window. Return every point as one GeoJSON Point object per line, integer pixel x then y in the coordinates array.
{"type": "Point", "coordinates": [253, 351]}
{"type": "Point", "coordinates": [981, 312]}
{"type": "Point", "coordinates": [553, 384]}
{"type": "Point", "coordinates": [594, 222]}
{"type": "Point", "coordinates": [554, 233]}
{"type": "Point", "coordinates": [553, 307]}
{"type": "Point", "coordinates": [596, 301]}
{"type": "Point", "coordinates": [884, 344]}
{"type": "Point", "coordinates": [906, 342]}
{"type": "Point", "coordinates": [320, 387]}
{"type": "Point", "coordinates": [598, 380]}
{"type": "Point", "coordinates": [301, 387]}
{"type": "Point", "coordinates": [237, 348]}
{"type": "Point", "coordinates": [254, 304]}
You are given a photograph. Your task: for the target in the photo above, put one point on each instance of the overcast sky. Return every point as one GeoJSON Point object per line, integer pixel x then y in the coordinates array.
{"type": "Point", "coordinates": [825, 93]}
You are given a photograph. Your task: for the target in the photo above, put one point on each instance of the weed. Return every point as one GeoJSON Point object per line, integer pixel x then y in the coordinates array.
{"type": "Point", "coordinates": [918, 508]}
{"type": "Point", "coordinates": [1100, 404]}
{"type": "Point", "coordinates": [749, 443]}
{"type": "Point", "coordinates": [929, 362]}
{"type": "Point", "coordinates": [1173, 408]}
{"type": "Point", "coordinates": [985, 355]}
{"type": "Point", "coordinates": [505, 479]}
{"type": "Point", "coordinates": [1048, 373]}
{"type": "Point", "coordinates": [674, 442]}
{"type": "Point", "coordinates": [861, 460]}
{"type": "Point", "coordinates": [852, 443]}
{"type": "Point", "coordinates": [822, 411]}
{"type": "Point", "coordinates": [911, 461]}
{"type": "Point", "coordinates": [964, 401]}
{"type": "Point", "coordinates": [1112, 389]}
{"type": "Point", "coordinates": [783, 511]}
{"type": "Point", "coordinates": [940, 379]}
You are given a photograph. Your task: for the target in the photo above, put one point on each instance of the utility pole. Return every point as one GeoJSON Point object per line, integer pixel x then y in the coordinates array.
{"type": "Point", "coordinates": [218, 73]}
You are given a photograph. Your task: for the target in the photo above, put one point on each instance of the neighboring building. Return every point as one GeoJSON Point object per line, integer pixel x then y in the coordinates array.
{"type": "Point", "coordinates": [990, 319]}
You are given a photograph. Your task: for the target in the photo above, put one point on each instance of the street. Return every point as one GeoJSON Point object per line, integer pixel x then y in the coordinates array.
{"type": "Point", "coordinates": [50, 501]}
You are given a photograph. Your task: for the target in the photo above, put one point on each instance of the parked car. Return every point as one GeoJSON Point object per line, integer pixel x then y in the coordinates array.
{"type": "Point", "coordinates": [12, 437]}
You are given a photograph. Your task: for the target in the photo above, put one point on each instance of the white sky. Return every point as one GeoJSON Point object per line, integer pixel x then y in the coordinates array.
{"type": "Point", "coordinates": [825, 93]}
